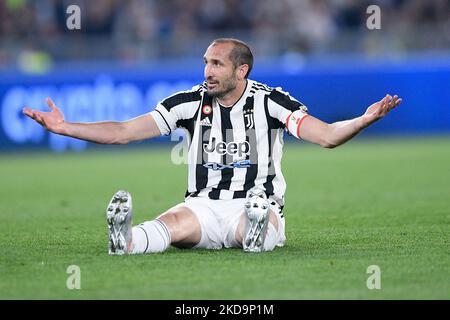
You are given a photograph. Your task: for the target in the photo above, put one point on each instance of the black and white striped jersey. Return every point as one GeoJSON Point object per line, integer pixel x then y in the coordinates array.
{"type": "Point", "coordinates": [233, 149]}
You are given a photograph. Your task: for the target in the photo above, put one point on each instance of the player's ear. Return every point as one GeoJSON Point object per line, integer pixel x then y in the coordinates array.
{"type": "Point", "coordinates": [242, 71]}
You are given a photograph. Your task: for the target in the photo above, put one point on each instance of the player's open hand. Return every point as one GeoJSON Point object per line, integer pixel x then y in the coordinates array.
{"type": "Point", "coordinates": [52, 121]}
{"type": "Point", "coordinates": [379, 109]}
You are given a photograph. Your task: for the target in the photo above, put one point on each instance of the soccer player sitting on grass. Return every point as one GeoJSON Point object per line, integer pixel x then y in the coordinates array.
{"type": "Point", "coordinates": [235, 126]}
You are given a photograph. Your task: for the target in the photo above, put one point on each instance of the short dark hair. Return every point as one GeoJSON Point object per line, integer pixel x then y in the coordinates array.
{"type": "Point", "coordinates": [240, 54]}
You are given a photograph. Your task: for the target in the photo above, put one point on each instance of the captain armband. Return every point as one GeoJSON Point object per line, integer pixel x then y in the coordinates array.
{"type": "Point", "coordinates": [294, 122]}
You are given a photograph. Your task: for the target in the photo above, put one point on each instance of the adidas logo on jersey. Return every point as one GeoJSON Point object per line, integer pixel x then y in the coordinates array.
{"type": "Point", "coordinates": [206, 122]}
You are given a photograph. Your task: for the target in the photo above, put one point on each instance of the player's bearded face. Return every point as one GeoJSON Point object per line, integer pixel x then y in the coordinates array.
{"type": "Point", "coordinates": [220, 72]}
{"type": "Point", "coordinates": [220, 85]}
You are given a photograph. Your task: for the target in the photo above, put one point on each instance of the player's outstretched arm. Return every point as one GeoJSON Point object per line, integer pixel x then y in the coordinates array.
{"type": "Point", "coordinates": [337, 133]}
{"type": "Point", "coordinates": [107, 132]}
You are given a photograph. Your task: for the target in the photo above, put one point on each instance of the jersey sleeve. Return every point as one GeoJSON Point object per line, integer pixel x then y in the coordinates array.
{"type": "Point", "coordinates": [288, 112]}
{"type": "Point", "coordinates": [180, 106]}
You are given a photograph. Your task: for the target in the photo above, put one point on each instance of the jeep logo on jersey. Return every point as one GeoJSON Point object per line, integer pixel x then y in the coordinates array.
{"type": "Point", "coordinates": [231, 148]}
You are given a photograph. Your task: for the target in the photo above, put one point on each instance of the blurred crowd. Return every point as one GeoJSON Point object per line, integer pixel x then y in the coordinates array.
{"type": "Point", "coordinates": [153, 29]}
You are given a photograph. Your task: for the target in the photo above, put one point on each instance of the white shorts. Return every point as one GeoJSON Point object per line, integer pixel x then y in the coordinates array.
{"type": "Point", "coordinates": [219, 220]}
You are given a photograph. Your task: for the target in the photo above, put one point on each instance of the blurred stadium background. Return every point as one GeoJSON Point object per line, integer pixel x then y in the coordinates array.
{"type": "Point", "coordinates": [383, 202]}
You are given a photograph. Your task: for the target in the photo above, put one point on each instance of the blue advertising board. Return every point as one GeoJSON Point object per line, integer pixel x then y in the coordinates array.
{"type": "Point", "coordinates": [332, 91]}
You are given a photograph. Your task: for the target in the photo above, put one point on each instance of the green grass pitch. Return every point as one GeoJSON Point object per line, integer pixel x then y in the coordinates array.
{"type": "Point", "coordinates": [381, 202]}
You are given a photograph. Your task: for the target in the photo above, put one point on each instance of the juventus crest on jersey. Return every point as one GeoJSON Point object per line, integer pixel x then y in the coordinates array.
{"type": "Point", "coordinates": [233, 149]}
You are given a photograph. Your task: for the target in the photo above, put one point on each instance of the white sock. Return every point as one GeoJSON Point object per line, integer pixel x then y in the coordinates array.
{"type": "Point", "coordinates": [271, 239]}
{"type": "Point", "coordinates": [150, 236]}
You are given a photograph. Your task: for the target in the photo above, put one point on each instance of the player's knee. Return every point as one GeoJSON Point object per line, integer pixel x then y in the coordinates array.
{"type": "Point", "coordinates": [172, 222]}
{"type": "Point", "coordinates": [271, 238]}
{"type": "Point", "coordinates": [273, 220]}
{"type": "Point", "coordinates": [182, 224]}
